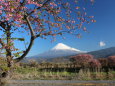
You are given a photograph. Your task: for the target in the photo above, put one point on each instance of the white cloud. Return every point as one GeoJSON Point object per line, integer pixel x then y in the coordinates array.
{"type": "Point", "coordinates": [102, 44]}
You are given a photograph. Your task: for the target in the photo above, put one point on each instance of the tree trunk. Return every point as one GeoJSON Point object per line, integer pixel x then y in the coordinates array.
{"type": "Point", "coordinates": [8, 49]}
{"type": "Point", "coordinates": [5, 74]}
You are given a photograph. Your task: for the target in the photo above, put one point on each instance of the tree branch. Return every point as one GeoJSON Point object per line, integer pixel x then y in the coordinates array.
{"type": "Point", "coordinates": [40, 7]}
{"type": "Point", "coordinates": [30, 26]}
{"type": "Point", "coordinates": [31, 41]}
{"type": "Point", "coordinates": [2, 24]}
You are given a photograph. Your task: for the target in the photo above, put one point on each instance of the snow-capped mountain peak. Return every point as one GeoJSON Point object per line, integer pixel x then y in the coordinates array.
{"type": "Point", "coordinates": [60, 50]}
{"type": "Point", "coordinates": [61, 46]}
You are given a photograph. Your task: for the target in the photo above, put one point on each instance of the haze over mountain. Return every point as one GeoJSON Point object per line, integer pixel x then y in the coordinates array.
{"type": "Point", "coordinates": [58, 51]}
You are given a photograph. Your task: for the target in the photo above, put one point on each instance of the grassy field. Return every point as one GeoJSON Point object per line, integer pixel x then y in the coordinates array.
{"type": "Point", "coordinates": [33, 73]}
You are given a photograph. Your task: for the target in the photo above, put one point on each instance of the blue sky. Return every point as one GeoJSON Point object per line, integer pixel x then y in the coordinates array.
{"type": "Point", "coordinates": [102, 31]}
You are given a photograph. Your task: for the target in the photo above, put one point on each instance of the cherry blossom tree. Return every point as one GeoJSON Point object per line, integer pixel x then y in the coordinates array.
{"type": "Point", "coordinates": [111, 61]}
{"type": "Point", "coordinates": [82, 59]}
{"type": "Point", "coordinates": [40, 19]}
{"type": "Point", "coordinates": [94, 63]}
{"type": "Point", "coordinates": [104, 62]}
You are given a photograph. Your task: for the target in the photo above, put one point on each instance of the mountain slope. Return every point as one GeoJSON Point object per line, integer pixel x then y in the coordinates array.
{"type": "Point", "coordinates": [103, 53]}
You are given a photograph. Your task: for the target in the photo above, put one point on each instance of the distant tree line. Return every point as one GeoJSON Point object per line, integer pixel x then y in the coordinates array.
{"type": "Point", "coordinates": [88, 61]}
{"type": "Point", "coordinates": [77, 62]}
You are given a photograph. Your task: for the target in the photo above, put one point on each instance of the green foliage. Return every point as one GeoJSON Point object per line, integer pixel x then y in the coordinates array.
{"type": "Point", "coordinates": [25, 70]}
{"type": "Point", "coordinates": [39, 13]}
{"type": "Point", "coordinates": [17, 54]}
{"type": "Point", "coordinates": [4, 67]}
{"type": "Point", "coordinates": [21, 39]}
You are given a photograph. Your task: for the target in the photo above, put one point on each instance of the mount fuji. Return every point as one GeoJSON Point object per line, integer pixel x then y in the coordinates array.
{"type": "Point", "coordinates": [60, 50]}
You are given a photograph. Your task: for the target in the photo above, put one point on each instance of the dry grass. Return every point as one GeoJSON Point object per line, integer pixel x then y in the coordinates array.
{"type": "Point", "coordinates": [35, 74]}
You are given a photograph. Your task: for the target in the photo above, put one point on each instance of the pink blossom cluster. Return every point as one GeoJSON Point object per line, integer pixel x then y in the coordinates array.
{"type": "Point", "coordinates": [58, 15]}
{"type": "Point", "coordinates": [94, 63]}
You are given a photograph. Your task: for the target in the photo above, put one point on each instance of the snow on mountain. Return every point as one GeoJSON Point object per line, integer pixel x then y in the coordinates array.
{"type": "Point", "coordinates": [58, 51]}
{"type": "Point", "coordinates": [61, 46]}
